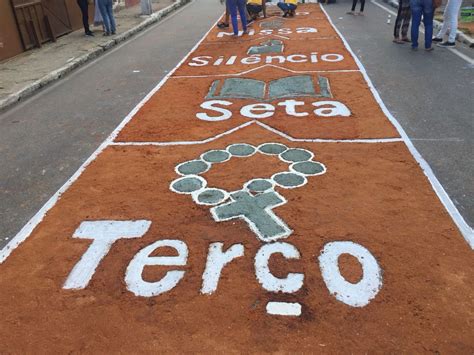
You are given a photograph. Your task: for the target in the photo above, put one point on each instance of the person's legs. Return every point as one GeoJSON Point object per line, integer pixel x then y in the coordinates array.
{"type": "Point", "coordinates": [242, 13]}
{"type": "Point", "coordinates": [406, 17]}
{"type": "Point", "coordinates": [444, 28]}
{"type": "Point", "coordinates": [283, 7]}
{"type": "Point", "coordinates": [416, 11]}
{"type": "Point", "coordinates": [110, 12]}
{"type": "Point", "coordinates": [105, 15]}
{"type": "Point", "coordinates": [428, 13]}
{"type": "Point", "coordinates": [454, 5]}
{"type": "Point", "coordinates": [292, 9]}
{"type": "Point", "coordinates": [354, 3]}
{"type": "Point", "coordinates": [232, 6]}
{"type": "Point", "coordinates": [398, 21]}
{"type": "Point", "coordinates": [85, 14]}
{"type": "Point", "coordinates": [362, 5]}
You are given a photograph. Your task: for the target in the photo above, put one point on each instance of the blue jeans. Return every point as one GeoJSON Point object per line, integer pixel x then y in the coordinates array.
{"type": "Point", "coordinates": [286, 7]}
{"type": "Point", "coordinates": [233, 5]}
{"type": "Point", "coordinates": [419, 8]}
{"type": "Point", "coordinates": [106, 10]}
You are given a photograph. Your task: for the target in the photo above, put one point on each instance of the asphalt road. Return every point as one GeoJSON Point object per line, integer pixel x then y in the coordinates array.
{"type": "Point", "coordinates": [44, 140]}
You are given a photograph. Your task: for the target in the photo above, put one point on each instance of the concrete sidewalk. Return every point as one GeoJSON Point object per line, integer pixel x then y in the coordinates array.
{"type": "Point", "coordinates": [23, 75]}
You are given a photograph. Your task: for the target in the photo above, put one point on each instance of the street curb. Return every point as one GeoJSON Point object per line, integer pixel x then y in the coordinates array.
{"type": "Point", "coordinates": [55, 75]}
{"type": "Point", "coordinates": [460, 37]}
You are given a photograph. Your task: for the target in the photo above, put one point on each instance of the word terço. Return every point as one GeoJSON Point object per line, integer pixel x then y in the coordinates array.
{"type": "Point", "coordinates": [105, 233]}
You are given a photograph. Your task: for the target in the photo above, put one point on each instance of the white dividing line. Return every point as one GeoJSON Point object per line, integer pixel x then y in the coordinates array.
{"type": "Point", "coordinates": [284, 309]}
{"type": "Point", "coordinates": [265, 126]}
{"type": "Point", "coordinates": [466, 231]}
{"type": "Point", "coordinates": [26, 231]}
{"type": "Point", "coordinates": [269, 66]}
{"type": "Point", "coordinates": [453, 50]}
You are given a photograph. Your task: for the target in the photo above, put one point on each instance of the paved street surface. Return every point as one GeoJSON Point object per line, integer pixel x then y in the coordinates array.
{"type": "Point", "coordinates": [261, 198]}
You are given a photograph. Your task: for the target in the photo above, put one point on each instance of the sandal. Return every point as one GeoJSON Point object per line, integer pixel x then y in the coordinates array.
{"type": "Point", "coordinates": [399, 41]}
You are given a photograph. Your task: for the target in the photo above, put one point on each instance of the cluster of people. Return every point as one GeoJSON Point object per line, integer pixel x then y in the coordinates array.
{"type": "Point", "coordinates": [416, 10]}
{"type": "Point", "coordinates": [104, 15]}
{"type": "Point", "coordinates": [251, 10]}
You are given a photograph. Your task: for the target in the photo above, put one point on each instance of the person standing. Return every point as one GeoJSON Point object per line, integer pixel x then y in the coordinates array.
{"type": "Point", "coordinates": [403, 21]}
{"type": "Point", "coordinates": [354, 3]}
{"type": "Point", "coordinates": [107, 12]}
{"type": "Point", "coordinates": [233, 6]}
{"type": "Point", "coordinates": [419, 9]}
{"type": "Point", "coordinates": [84, 6]}
{"type": "Point", "coordinates": [450, 21]}
{"type": "Point", "coordinates": [288, 7]}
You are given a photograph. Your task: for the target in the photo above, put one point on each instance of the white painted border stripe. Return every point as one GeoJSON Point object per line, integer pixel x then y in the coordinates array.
{"type": "Point", "coordinates": [26, 231]}
{"type": "Point", "coordinates": [464, 228]}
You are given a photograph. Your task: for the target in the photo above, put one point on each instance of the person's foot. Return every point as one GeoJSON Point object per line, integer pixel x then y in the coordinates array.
{"type": "Point", "coordinates": [406, 39]}
{"type": "Point", "coordinates": [429, 49]}
{"type": "Point", "coordinates": [436, 39]}
{"type": "Point", "coordinates": [397, 40]}
{"type": "Point", "coordinates": [291, 13]}
{"type": "Point", "coordinates": [447, 44]}
{"type": "Point", "coordinates": [222, 25]}
{"type": "Point", "coordinates": [285, 14]}
{"type": "Point", "coordinates": [113, 32]}
{"type": "Point", "coordinates": [89, 33]}
{"type": "Point", "coordinates": [350, 12]}
{"type": "Point", "coordinates": [106, 34]}
{"type": "Point", "coordinates": [360, 13]}
{"type": "Point", "coordinates": [414, 48]}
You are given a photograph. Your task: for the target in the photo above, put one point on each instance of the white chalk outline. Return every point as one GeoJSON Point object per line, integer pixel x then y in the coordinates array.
{"type": "Point", "coordinates": [242, 156]}
{"type": "Point", "coordinates": [196, 194]}
{"type": "Point", "coordinates": [208, 166]}
{"type": "Point", "coordinates": [292, 169]}
{"type": "Point", "coordinates": [466, 231]}
{"type": "Point", "coordinates": [193, 176]}
{"type": "Point", "coordinates": [311, 154]}
{"type": "Point", "coordinates": [215, 150]}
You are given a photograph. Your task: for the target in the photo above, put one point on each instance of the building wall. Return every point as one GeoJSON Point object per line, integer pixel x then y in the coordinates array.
{"type": "Point", "coordinates": [10, 41]}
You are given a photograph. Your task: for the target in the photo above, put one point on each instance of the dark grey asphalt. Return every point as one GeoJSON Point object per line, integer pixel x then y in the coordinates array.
{"type": "Point", "coordinates": [44, 140]}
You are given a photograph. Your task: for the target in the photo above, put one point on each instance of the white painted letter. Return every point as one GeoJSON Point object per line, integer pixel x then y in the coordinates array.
{"type": "Point", "coordinates": [251, 111]}
{"type": "Point", "coordinates": [199, 61]}
{"type": "Point", "coordinates": [336, 57]}
{"type": "Point", "coordinates": [292, 283]}
{"type": "Point", "coordinates": [306, 30]}
{"type": "Point", "coordinates": [209, 105]}
{"type": "Point", "coordinates": [336, 109]}
{"type": "Point", "coordinates": [290, 108]}
{"type": "Point", "coordinates": [355, 295]}
{"type": "Point", "coordinates": [293, 58]}
{"type": "Point", "coordinates": [280, 58]}
{"type": "Point", "coordinates": [253, 59]}
{"type": "Point", "coordinates": [133, 275]}
{"type": "Point", "coordinates": [103, 234]}
{"type": "Point", "coordinates": [216, 260]}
